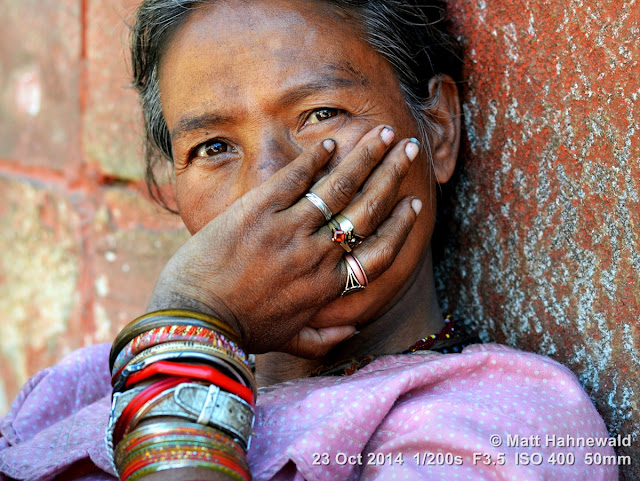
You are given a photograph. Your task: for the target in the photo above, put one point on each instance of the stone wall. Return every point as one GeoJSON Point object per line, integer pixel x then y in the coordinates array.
{"type": "Point", "coordinates": [80, 244]}
{"type": "Point", "coordinates": [543, 244]}
{"type": "Point", "coordinates": [542, 250]}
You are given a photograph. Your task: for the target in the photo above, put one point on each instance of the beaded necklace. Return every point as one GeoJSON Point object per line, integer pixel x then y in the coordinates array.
{"type": "Point", "coordinates": [451, 339]}
{"type": "Point", "coordinates": [449, 331]}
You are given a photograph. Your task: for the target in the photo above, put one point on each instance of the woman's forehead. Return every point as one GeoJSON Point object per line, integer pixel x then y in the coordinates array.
{"type": "Point", "coordinates": [284, 26]}
{"type": "Point", "coordinates": [233, 50]}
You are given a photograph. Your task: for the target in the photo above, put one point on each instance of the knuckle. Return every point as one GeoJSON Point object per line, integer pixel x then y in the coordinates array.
{"type": "Point", "coordinates": [386, 255]}
{"type": "Point", "coordinates": [375, 211]}
{"type": "Point", "coordinates": [344, 188]}
{"type": "Point", "coordinates": [407, 222]}
{"type": "Point", "coordinates": [397, 173]}
{"type": "Point", "coordinates": [316, 154]}
{"type": "Point", "coordinates": [297, 176]}
{"type": "Point", "coordinates": [369, 155]}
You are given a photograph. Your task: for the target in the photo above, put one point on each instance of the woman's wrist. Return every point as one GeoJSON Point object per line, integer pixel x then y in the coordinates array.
{"type": "Point", "coordinates": [179, 375]}
{"type": "Point", "coordinates": [163, 299]}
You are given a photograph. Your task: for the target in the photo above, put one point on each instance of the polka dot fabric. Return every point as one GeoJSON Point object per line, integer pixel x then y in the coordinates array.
{"type": "Point", "coordinates": [423, 416]}
{"type": "Point", "coordinates": [59, 418]}
{"type": "Point", "coordinates": [404, 417]}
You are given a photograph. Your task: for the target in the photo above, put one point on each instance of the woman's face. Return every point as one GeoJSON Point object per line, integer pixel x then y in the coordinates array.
{"type": "Point", "coordinates": [246, 86]}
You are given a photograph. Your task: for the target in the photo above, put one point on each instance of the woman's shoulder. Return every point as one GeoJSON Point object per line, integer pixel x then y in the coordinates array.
{"type": "Point", "coordinates": [58, 416]}
{"type": "Point", "coordinates": [79, 379]}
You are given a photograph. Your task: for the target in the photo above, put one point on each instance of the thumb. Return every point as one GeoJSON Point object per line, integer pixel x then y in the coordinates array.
{"type": "Point", "coordinates": [311, 343]}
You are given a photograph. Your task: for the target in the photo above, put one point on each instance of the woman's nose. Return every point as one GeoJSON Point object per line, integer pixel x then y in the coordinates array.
{"type": "Point", "coordinates": [268, 156]}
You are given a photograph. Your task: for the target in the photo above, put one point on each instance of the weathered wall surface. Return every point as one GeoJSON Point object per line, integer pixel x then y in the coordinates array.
{"type": "Point", "coordinates": [80, 246]}
{"type": "Point", "coordinates": [545, 250]}
{"type": "Point", "coordinates": [545, 245]}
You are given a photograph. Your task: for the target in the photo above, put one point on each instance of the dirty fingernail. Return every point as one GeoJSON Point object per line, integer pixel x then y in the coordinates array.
{"type": "Point", "coordinates": [329, 144]}
{"type": "Point", "coordinates": [387, 135]}
{"type": "Point", "coordinates": [412, 149]}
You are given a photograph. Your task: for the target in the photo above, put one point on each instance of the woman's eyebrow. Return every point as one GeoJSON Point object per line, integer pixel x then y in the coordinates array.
{"type": "Point", "coordinates": [336, 76]}
{"type": "Point", "coordinates": [185, 124]}
{"type": "Point", "coordinates": [321, 84]}
{"type": "Point", "coordinates": [328, 81]}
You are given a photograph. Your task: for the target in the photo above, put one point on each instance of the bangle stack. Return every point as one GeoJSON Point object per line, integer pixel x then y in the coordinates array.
{"type": "Point", "coordinates": [183, 397]}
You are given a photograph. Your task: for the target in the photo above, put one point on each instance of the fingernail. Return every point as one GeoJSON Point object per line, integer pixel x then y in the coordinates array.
{"type": "Point", "coordinates": [355, 333]}
{"type": "Point", "coordinates": [329, 144]}
{"type": "Point", "coordinates": [412, 149]}
{"type": "Point", "coordinates": [387, 135]}
{"type": "Point", "coordinates": [416, 205]}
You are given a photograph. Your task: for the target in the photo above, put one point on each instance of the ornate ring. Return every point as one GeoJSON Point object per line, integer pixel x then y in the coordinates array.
{"type": "Point", "coordinates": [356, 276]}
{"type": "Point", "coordinates": [320, 204]}
{"type": "Point", "coordinates": [342, 230]}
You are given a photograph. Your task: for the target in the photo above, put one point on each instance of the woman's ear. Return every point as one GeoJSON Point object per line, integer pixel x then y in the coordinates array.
{"type": "Point", "coordinates": [446, 114]}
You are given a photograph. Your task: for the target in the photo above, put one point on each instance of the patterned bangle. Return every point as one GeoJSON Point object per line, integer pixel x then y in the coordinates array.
{"type": "Point", "coordinates": [173, 448]}
{"type": "Point", "coordinates": [160, 335]}
{"type": "Point", "coordinates": [174, 431]}
{"type": "Point", "coordinates": [127, 458]}
{"type": "Point", "coordinates": [163, 318]}
{"type": "Point", "coordinates": [180, 352]}
{"type": "Point", "coordinates": [184, 451]}
{"type": "Point", "coordinates": [162, 446]}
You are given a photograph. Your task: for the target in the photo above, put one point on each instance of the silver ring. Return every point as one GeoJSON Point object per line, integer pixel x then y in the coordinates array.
{"type": "Point", "coordinates": [320, 204]}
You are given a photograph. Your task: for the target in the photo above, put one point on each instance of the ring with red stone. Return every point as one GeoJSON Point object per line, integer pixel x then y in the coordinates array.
{"type": "Point", "coordinates": [356, 276]}
{"type": "Point", "coordinates": [342, 233]}
{"type": "Point", "coordinates": [320, 204]}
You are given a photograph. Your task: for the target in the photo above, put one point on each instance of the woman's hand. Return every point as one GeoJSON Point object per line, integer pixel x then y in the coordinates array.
{"type": "Point", "coordinates": [267, 264]}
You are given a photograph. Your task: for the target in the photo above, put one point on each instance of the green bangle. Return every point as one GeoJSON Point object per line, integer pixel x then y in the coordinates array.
{"type": "Point", "coordinates": [185, 463]}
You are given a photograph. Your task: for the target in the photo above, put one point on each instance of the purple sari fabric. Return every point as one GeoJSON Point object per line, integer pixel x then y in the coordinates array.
{"type": "Point", "coordinates": [422, 416]}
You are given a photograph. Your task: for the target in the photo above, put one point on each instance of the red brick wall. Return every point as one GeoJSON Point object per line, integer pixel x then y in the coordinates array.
{"type": "Point", "coordinates": [544, 251]}
{"type": "Point", "coordinates": [80, 246]}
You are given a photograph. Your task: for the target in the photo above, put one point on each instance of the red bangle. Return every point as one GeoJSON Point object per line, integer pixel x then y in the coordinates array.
{"type": "Point", "coordinates": [140, 400]}
{"type": "Point", "coordinates": [193, 371]}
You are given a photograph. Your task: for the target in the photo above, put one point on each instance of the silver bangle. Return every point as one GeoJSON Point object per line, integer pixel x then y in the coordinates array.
{"type": "Point", "coordinates": [206, 405]}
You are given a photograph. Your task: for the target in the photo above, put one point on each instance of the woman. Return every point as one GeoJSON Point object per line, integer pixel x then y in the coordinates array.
{"type": "Point", "coordinates": [278, 114]}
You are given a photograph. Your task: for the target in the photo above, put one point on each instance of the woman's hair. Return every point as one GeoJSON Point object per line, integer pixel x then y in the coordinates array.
{"type": "Point", "coordinates": [411, 35]}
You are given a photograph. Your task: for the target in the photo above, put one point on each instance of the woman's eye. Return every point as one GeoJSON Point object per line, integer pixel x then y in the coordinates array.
{"type": "Point", "coordinates": [321, 115]}
{"type": "Point", "coordinates": [213, 147]}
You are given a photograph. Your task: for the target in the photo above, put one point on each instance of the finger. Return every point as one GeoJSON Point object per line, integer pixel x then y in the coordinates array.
{"type": "Point", "coordinates": [378, 196]}
{"type": "Point", "coordinates": [312, 343]}
{"type": "Point", "coordinates": [286, 186]}
{"type": "Point", "coordinates": [379, 250]}
{"type": "Point", "coordinates": [341, 185]}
